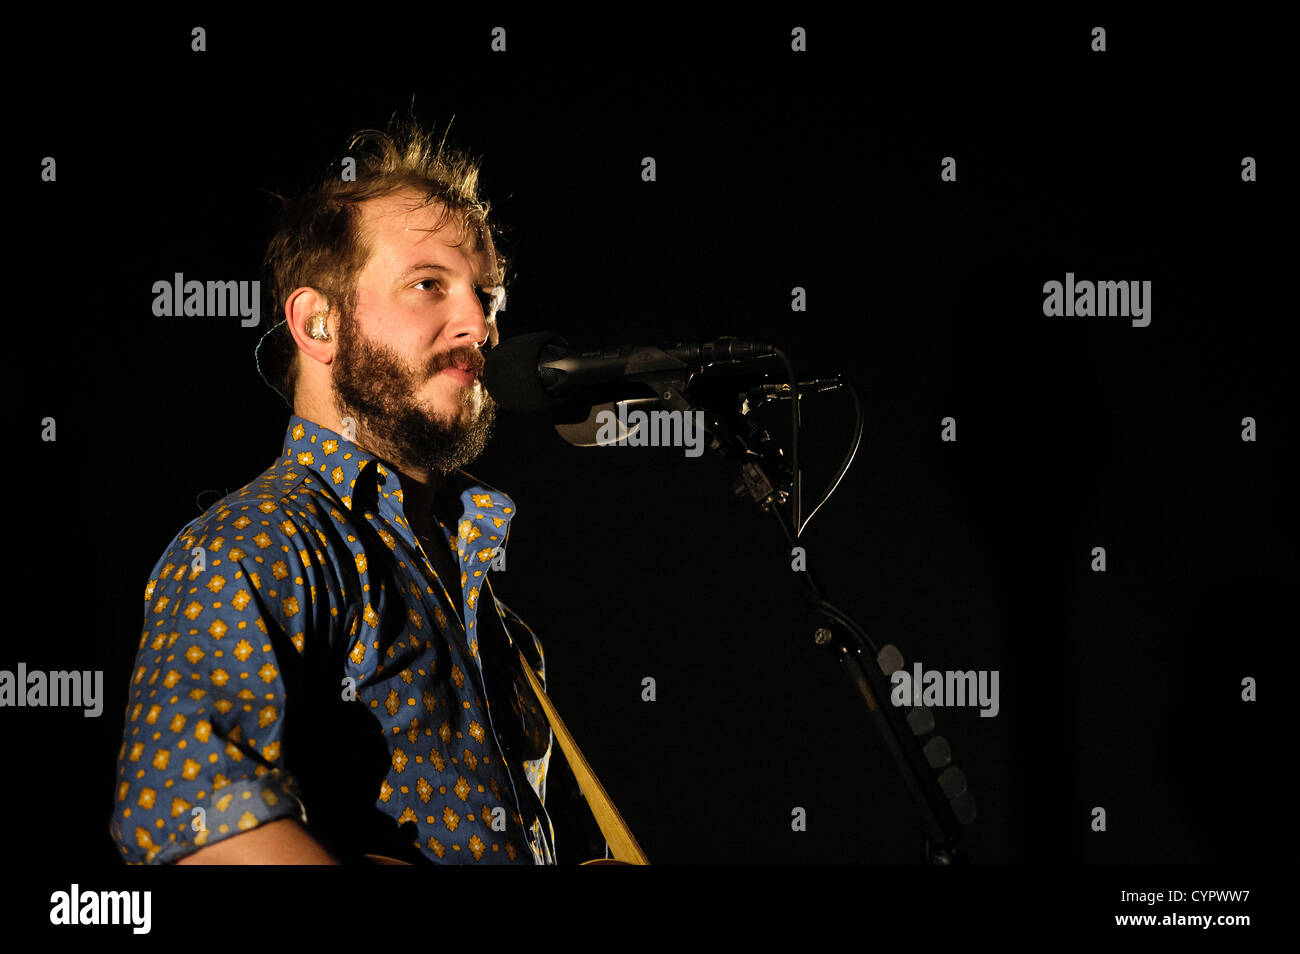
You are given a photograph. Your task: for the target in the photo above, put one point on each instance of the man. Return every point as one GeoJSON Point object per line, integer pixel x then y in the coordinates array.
{"type": "Point", "coordinates": [324, 671]}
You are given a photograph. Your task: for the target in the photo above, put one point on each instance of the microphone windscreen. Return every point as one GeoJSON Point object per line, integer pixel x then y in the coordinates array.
{"type": "Point", "coordinates": [510, 373]}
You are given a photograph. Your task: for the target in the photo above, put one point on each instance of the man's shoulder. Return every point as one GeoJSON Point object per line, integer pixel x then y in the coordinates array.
{"type": "Point", "coordinates": [272, 511]}
{"type": "Point", "coordinates": [258, 550]}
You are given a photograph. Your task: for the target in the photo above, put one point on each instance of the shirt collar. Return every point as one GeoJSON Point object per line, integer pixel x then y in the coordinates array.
{"type": "Point", "coordinates": [354, 472]}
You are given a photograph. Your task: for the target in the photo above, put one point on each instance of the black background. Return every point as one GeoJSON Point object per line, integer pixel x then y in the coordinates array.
{"type": "Point", "coordinates": [775, 169]}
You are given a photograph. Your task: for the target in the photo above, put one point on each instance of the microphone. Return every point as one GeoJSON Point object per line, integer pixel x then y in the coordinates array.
{"type": "Point", "coordinates": [783, 392]}
{"type": "Point", "coordinates": [537, 371]}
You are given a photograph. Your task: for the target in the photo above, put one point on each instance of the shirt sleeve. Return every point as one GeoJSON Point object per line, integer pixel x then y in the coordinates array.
{"type": "Point", "coordinates": [202, 757]}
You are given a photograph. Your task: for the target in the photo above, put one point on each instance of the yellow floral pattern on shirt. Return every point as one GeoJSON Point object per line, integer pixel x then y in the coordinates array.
{"type": "Point", "coordinates": [317, 552]}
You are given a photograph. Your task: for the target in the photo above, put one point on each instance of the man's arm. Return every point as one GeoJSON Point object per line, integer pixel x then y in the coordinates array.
{"type": "Point", "coordinates": [203, 734]}
{"type": "Point", "coordinates": [281, 842]}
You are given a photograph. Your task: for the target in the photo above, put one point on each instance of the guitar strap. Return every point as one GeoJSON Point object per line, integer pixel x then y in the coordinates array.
{"type": "Point", "coordinates": [617, 835]}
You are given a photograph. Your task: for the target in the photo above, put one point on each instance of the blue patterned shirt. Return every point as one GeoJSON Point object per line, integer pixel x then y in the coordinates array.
{"type": "Point", "coordinates": [302, 659]}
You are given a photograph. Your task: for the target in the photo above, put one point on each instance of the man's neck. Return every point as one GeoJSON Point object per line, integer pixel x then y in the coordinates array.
{"type": "Point", "coordinates": [420, 485]}
{"type": "Point", "coordinates": [421, 488]}
{"type": "Point", "coordinates": [418, 498]}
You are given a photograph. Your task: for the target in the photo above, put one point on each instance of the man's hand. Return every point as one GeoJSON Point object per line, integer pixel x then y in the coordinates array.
{"type": "Point", "coordinates": [281, 842]}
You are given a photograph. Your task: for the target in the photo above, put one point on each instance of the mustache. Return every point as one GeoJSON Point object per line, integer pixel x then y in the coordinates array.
{"type": "Point", "coordinates": [465, 357]}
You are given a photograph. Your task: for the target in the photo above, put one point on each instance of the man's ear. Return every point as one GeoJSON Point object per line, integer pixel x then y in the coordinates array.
{"type": "Point", "coordinates": [313, 323]}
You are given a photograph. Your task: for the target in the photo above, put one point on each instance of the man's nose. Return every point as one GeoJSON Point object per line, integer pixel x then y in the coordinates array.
{"type": "Point", "coordinates": [471, 322]}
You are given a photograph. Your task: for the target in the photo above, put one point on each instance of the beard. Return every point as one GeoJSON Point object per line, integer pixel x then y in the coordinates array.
{"type": "Point", "coordinates": [380, 390]}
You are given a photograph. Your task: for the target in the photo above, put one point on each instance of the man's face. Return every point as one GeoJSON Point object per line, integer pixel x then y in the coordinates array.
{"type": "Point", "coordinates": [418, 315]}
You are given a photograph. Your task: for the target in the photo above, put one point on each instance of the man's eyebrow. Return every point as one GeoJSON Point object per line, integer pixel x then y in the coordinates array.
{"type": "Point", "coordinates": [430, 266]}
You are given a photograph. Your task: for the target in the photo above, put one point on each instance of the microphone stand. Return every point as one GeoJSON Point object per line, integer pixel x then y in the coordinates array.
{"type": "Point", "coordinates": [937, 787]}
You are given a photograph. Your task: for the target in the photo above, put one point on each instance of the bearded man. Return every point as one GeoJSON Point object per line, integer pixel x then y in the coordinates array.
{"type": "Point", "coordinates": [324, 671]}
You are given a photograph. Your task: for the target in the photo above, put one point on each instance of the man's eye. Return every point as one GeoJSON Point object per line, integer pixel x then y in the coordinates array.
{"type": "Point", "coordinates": [427, 281]}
